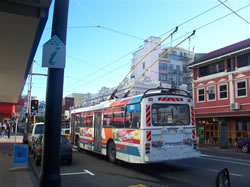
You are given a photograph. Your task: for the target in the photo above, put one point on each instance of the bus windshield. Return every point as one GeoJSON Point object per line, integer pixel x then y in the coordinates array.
{"type": "Point", "coordinates": [170, 114]}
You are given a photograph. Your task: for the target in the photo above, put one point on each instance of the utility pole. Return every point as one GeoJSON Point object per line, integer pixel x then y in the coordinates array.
{"type": "Point", "coordinates": [27, 121]}
{"type": "Point", "coordinates": [50, 166]}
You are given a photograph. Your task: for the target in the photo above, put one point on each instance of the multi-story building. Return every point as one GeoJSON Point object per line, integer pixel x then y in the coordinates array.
{"type": "Point", "coordinates": [78, 98]}
{"type": "Point", "coordinates": [221, 90]}
{"type": "Point", "coordinates": [66, 104]}
{"type": "Point", "coordinates": [171, 69]}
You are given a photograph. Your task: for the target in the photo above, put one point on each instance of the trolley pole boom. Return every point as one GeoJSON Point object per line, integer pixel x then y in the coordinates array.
{"type": "Point", "coordinates": [127, 93]}
{"type": "Point", "coordinates": [115, 91]}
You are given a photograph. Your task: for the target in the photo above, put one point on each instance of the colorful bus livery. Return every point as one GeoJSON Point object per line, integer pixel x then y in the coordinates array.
{"type": "Point", "coordinates": [154, 127]}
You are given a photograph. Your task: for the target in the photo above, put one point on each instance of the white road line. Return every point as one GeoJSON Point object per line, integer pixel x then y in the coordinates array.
{"type": "Point", "coordinates": [236, 159]}
{"type": "Point", "coordinates": [214, 170]}
{"type": "Point", "coordinates": [234, 174]}
{"type": "Point", "coordinates": [244, 164]}
{"type": "Point", "coordinates": [78, 173]}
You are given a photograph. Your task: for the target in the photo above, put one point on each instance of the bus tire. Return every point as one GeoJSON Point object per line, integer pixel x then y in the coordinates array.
{"type": "Point", "coordinates": [112, 152]}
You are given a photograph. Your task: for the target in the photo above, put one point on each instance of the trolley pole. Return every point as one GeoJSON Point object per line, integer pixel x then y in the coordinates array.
{"type": "Point", "coordinates": [50, 166]}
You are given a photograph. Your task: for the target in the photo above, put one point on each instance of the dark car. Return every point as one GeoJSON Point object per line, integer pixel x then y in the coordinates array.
{"type": "Point", "coordinates": [244, 145]}
{"type": "Point", "coordinates": [65, 150]}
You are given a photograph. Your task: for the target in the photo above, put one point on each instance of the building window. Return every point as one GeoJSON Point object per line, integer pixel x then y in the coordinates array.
{"type": "Point", "coordinates": [223, 91]}
{"type": "Point", "coordinates": [211, 93]}
{"type": "Point", "coordinates": [230, 64]}
{"type": "Point", "coordinates": [162, 66]}
{"type": "Point", "coordinates": [211, 69]}
{"type": "Point", "coordinates": [241, 88]}
{"type": "Point", "coordinates": [143, 65]}
{"type": "Point", "coordinates": [243, 60]}
{"type": "Point", "coordinates": [201, 95]}
{"type": "Point", "coordinates": [163, 77]}
{"type": "Point", "coordinates": [172, 69]}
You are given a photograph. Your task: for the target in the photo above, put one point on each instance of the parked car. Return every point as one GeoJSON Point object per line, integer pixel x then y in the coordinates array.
{"type": "Point", "coordinates": [35, 132]}
{"type": "Point", "coordinates": [65, 150]}
{"type": "Point", "coordinates": [244, 145]}
{"type": "Point", "coordinates": [66, 132]}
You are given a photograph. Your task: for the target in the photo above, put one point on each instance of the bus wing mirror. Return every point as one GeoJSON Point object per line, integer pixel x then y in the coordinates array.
{"type": "Point", "coordinates": [222, 179]}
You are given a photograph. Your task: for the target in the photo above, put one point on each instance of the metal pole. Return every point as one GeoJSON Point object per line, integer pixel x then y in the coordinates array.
{"type": "Point", "coordinates": [27, 124]}
{"type": "Point", "coordinates": [50, 166]}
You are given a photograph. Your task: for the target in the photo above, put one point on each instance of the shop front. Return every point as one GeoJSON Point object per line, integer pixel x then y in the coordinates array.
{"type": "Point", "coordinates": [212, 131]}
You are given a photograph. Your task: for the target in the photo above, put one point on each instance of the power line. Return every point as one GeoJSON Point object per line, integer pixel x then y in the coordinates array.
{"type": "Point", "coordinates": [87, 13]}
{"type": "Point", "coordinates": [189, 33]}
{"type": "Point", "coordinates": [113, 62]}
{"type": "Point", "coordinates": [208, 10]}
{"type": "Point", "coordinates": [233, 11]}
{"type": "Point", "coordinates": [198, 28]}
{"type": "Point", "coordinates": [175, 39]}
{"type": "Point", "coordinates": [101, 76]}
{"type": "Point", "coordinates": [112, 30]}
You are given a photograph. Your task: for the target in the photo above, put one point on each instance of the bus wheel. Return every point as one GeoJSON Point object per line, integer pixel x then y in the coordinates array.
{"type": "Point", "coordinates": [112, 152]}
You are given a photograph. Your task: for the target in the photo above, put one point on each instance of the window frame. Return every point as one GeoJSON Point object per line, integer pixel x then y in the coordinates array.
{"type": "Point", "coordinates": [219, 91]}
{"type": "Point", "coordinates": [198, 101]}
{"type": "Point", "coordinates": [214, 93]}
{"type": "Point", "coordinates": [236, 88]}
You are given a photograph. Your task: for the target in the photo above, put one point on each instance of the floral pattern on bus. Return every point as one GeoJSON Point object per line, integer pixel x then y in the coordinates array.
{"type": "Point", "coordinates": [87, 132]}
{"type": "Point", "coordinates": [126, 135]}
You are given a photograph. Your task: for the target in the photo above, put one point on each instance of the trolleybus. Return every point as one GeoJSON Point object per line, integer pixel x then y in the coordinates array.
{"type": "Point", "coordinates": [154, 127]}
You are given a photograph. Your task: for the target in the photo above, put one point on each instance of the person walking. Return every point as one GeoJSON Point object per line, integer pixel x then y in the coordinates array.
{"type": "Point", "coordinates": [8, 130]}
{"type": "Point", "coordinates": [2, 131]}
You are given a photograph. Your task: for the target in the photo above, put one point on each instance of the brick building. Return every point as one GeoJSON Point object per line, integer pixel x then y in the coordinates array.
{"type": "Point", "coordinates": [221, 91]}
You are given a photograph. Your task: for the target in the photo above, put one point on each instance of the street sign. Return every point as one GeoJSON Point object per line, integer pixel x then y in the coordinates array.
{"type": "Point", "coordinates": [33, 113]}
{"type": "Point", "coordinates": [54, 53]}
{"type": "Point", "coordinates": [20, 154]}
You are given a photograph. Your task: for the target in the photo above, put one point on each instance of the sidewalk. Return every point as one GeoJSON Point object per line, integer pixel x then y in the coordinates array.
{"type": "Point", "coordinates": [217, 148]}
{"type": "Point", "coordinates": [21, 178]}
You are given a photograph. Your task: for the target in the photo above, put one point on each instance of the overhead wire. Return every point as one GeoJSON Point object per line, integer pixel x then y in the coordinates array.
{"type": "Point", "coordinates": [234, 12]}
{"type": "Point", "coordinates": [111, 63]}
{"type": "Point", "coordinates": [180, 36]}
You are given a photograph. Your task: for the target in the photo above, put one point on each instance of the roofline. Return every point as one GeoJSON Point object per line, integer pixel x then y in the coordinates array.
{"type": "Point", "coordinates": [218, 57]}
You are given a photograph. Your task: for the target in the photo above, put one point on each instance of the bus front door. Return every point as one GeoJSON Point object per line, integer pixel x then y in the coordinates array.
{"type": "Point", "coordinates": [98, 131]}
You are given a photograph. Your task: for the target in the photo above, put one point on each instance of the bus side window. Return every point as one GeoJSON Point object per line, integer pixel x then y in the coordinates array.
{"type": "Point", "coordinates": [107, 117]}
{"type": "Point", "coordinates": [89, 119]}
{"type": "Point", "coordinates": [118, 120]}
{"type": "Point", "coordinates": [133, 116]}
{"type": "Point", "coordinates": [82, 119]}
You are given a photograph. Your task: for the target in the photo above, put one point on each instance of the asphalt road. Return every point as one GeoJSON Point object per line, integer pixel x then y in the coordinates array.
{"type": "Point", "coordinates": [90, 169]}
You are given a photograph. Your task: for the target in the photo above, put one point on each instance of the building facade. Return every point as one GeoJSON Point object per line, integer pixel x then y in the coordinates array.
{"type": "Point", "coordinates": [171, 69]}
{"type": "Point", "coordinates": [221, 91]}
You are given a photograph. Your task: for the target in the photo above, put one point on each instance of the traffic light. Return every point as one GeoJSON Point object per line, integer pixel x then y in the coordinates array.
{"type": "Point", "coordinates": [34, 105]}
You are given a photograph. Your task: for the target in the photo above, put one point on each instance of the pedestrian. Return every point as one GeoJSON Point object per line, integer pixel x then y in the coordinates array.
{"type": "Point", "coordinates": [8, 130]}
{"type": "Point", "coordinates": [2, 131]}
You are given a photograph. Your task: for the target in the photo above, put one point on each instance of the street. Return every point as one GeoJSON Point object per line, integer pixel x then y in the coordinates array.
{"type": "Point", "coordinates": [90, 169]}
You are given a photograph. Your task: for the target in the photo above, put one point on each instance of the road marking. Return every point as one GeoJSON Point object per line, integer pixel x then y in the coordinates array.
{"type": "Point", "coordinates": [244, 164]}
{"type": "Point", "coordinates": [196, 167]}
{"type": "Point", "coordinates": [236, 159]}
{"type": "Point", "coordinates": [78, 173]}
{"type": "Point", "coordinates": [234, 174]}
{"type": "Point", "coordinates": [138, 185]}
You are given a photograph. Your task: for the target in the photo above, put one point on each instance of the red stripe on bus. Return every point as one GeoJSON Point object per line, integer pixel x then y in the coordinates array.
{"type": "Point", "coordinates": [120, 146]}
{"type": "Point", "coordinates": [86, 140]}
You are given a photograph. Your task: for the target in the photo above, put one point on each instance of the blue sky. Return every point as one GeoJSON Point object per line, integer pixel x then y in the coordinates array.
{"type": "Point", "coordinates": [99, 57]}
